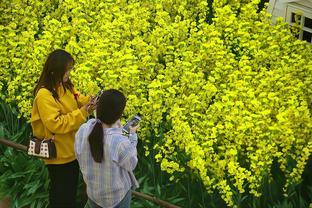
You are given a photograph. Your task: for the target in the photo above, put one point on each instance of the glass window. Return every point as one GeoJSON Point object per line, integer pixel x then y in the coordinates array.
{"type": "Point", "coordinates": [302, 15]}
{"type": "Point", "coordinates": [295, 18]}
{"type": "Point", "coordinates": [306, 36]}
{"type": "Point", "coordinates": [308, 22]}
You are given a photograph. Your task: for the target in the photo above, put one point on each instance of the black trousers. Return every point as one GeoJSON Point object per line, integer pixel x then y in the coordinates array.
{"type": "Point", "coordinates": [63, 185]}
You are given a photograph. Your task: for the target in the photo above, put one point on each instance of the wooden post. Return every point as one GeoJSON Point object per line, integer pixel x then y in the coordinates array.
{"type": "Point", "coordinates": [13, 144]}
{"type": "Point", "coordinates": [5, 202]}
{"type": "Point", "coordinates": [154, 200]}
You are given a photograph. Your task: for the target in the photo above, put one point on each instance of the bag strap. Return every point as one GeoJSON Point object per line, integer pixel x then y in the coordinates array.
{"type": "Point", "coordinates": [37, 146]}
{"type": "Point", "coordinates": [53, 136]}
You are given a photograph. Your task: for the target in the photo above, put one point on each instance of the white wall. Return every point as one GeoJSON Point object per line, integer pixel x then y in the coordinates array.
{"type": "Point", "coordinates": [278, 7]}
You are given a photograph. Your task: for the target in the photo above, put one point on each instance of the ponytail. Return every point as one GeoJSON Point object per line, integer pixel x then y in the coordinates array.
{"type": "Point", "coordinates": [108, 110]}
{"type": "Point", "coordinates": [96, 142]}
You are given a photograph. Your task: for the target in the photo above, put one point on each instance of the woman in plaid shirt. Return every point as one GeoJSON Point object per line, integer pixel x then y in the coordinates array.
{"type": "Point", "coordinates": [106, 157]}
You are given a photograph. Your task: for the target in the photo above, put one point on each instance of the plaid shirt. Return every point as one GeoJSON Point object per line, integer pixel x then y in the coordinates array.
{"type": "Point", "coordinates": [108, 181]}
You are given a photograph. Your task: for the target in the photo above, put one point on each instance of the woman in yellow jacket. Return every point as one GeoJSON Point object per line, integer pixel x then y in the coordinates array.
{"type": "Point", "coordinates": [58, 110]}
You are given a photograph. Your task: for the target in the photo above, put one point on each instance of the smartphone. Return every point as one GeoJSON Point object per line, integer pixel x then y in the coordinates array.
{"type": "Point", "coordinates": [132, 122]}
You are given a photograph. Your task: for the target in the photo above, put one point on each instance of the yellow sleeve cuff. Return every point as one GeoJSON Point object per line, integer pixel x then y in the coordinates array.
{"type": "Point", "coordinates": [84, 112]}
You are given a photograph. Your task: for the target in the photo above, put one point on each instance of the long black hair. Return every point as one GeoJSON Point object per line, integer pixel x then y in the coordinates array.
{"type": "Point", "coordinates": [109, 109]}
{"type": "Point", "coordinates": [53, 72]}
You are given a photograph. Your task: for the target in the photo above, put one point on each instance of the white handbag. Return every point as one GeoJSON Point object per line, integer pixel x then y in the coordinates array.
{"type": "Point", "coordinates": [42, 148]}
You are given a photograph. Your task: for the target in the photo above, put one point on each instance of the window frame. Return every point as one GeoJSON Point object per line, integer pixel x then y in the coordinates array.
{"type": "Point", "coordinates": [305, 12]}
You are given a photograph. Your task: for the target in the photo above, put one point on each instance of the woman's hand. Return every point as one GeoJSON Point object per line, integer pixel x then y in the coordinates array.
{"type": "Point", "coordinates": [91, 105]}
{"type": "Point", "coordinates": [133, 129]}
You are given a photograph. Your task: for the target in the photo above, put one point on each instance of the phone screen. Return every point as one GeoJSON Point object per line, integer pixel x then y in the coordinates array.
{"type": "Point", "coordinates": [133, 122]}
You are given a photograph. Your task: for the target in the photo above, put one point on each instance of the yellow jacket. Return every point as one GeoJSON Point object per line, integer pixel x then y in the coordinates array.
{"type": "Point", "coordinates": [62, 118]}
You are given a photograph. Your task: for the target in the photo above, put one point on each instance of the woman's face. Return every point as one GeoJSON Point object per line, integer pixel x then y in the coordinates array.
{"type": "Point", "coordinates": [69, 67]}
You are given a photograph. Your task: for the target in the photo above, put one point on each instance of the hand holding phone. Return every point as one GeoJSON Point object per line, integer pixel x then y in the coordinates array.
{"type": "Point", "coordinates": [90, 106]}
{"type": "Point", "coordinates": [134, 121]}
{"type": "Point", "coordinates": [98, 95]}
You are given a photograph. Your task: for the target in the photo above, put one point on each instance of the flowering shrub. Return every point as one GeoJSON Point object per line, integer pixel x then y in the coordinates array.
{"type": "Point", "coordinates": [224, 99]}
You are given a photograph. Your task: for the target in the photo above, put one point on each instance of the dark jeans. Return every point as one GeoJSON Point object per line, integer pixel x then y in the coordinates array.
{"type": "Point", "coordinates": [63, 185]}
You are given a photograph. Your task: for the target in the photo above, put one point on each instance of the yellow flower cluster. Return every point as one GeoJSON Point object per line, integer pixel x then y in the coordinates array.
{"type": "Point", "coordinates": [223, 100]}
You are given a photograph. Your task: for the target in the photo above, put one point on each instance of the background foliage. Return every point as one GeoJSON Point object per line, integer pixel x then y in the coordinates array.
{"type": "Point", "coordinates": [225, 95]}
